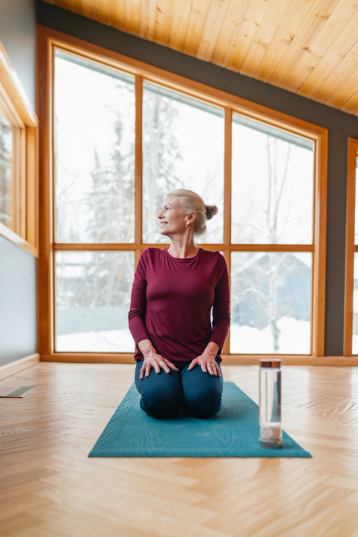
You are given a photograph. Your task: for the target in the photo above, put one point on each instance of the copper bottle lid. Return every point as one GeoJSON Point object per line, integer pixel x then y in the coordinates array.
{"type": "Point", "coordinates": [270, 362]}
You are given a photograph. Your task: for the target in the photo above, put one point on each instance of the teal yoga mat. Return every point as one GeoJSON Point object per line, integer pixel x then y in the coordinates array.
{"type": "Point", "coordinates": [232, 432]}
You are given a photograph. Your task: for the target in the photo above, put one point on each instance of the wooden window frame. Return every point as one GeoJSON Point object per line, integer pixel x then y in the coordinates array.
{"type": "Point", "coordinates": [351, 247]}
{"type": "Point", "coordinates": [48, 39]}
{"type": "Point", "coordinates": [25, 183]}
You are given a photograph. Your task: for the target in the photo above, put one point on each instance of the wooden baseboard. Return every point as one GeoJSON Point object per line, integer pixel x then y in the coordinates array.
{"type": "Point", "coordinates": [7, 370]}
{"type": "Point", "coordinates": [12, 368]}
{"type": "Point", "coordinates": [227, 360]}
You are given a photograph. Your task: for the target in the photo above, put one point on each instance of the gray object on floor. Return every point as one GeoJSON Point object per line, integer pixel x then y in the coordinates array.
{"type": "Point", "coordinates": [17, 393]}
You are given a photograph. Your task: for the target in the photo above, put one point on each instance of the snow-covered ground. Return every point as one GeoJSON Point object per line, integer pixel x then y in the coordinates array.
{"type": "Point", "coordinates": [294, 339]}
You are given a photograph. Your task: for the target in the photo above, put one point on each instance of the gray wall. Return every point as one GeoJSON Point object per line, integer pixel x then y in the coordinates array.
{"type": "Point", "coordinates": [340, 125]}
{"type": "Point", "coordinates": [18, 330]}
{"type": "Point", "coordinates": [18, 35]}
{"type": "Point", "coordinates": [17, 302]}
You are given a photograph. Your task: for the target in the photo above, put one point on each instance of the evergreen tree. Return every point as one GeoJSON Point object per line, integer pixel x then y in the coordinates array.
{"type": "Point", "coordinates": [160, 154]}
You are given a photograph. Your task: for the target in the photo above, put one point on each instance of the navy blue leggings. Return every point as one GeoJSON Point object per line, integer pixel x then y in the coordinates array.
{"type": "Point", "coordinates": [165, 395]}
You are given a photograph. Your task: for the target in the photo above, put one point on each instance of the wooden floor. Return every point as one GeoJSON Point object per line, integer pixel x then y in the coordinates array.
{"type": "Point", "coordinates": [49, 487]}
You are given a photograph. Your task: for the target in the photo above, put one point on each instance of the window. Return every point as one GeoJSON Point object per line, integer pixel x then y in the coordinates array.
{"type": "Point", "coordinates": [272, 185]}
{"type": "Point", "coordinates": [272, 204]}
{"type": "Point", "coordinates": [18, 161]}
{"type": "Point", "coordinates": [271, 302]}
{"type": "Point", "coordinates": [351, 280]}
{"type": "Point", "coordinates": [355, 286]}
{"type": "Point", "coordinates": [92, 301]}
{"type": "Point", "coordinates": [8, 172]}
{"type": "Point", "coordinates": [94, 193]}
{"type": "Point", "coordinates": [124, 136]}
{"type": "Point", "coordinates": [94, 152]}
{"type": "Point", "coordinates": [183, 147]}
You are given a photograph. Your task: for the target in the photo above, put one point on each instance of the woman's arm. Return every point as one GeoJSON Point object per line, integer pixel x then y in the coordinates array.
{"type": "Point", "coordinates": [211, 350]}
{"type": "Point", "coordinates": [221, 310]}
{"type": "Point", "coordinates": [136, 314]}
{"type": "Point", "coordinates": [146, 347]}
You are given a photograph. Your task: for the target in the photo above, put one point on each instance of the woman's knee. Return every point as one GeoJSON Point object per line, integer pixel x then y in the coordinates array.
{"type": "Point", "coordinates": [203, 402]}
{"type": "Point", "coordinates": [161, 394]}
{"type": "Point", "coordinates": [160, 403]}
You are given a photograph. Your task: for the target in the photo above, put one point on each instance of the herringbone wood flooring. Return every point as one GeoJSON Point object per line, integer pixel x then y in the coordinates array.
{"type": "Point", "coordinates": [49, 487]}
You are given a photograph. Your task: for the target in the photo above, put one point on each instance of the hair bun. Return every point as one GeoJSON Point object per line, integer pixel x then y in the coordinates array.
{"type": "Point", "coordinates": [210, 210]}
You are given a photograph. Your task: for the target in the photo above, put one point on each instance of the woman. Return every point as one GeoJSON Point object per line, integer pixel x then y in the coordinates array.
{"type": "Point", "coordinates": [169, 317]}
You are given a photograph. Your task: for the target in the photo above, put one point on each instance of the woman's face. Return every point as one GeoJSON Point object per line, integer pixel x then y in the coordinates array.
{"type": "Point", "coordinates": [171, 216]}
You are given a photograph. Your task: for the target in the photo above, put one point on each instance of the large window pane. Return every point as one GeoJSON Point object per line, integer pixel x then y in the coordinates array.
{"type": "Point", "coordinates": [12, 170]}
{"type": "Point", "coordinates": [270, 302]}
{"type": "Point", "coordinates": [94, 152]}
{"type": "Point", "coordinates": [356, 205]}
{"type": "Point", "coordinates": [92, 301]}
{"type": "Point", "coordinates": [355, 306]}
{"type": "Point", "coordinates": [6, 173]}
{"type": "Point", "coordinates": [183, 147]}
{"type": "Point", "coordinates": [272, 185]}
{"type": "Point", "coordinates": [355, 281]}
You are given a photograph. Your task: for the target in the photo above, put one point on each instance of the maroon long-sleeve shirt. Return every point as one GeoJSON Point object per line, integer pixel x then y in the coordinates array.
{"type": "Point", "coordinates": [171, 303]}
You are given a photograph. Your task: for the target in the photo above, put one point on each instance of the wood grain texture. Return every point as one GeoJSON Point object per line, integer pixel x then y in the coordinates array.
{"type": "Point", "coordinates": [309, 47]}
{"type": "Point", "coordinates": [48, 485]}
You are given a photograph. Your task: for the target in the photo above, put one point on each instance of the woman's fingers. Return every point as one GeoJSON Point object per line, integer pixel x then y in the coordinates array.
{"type": "Point", "coordinates": [211, 367]}
{"type": "Point", "coordinates": [164, 364]}
{"type": "Point", "coordinates": [145, 370]}
{"type": "Point", "coordinates": [157, 364]}
{"type": "Point", "coordinates": [216, 369]}
{"type": "Point", "coordinates": [172, 366]}
{"type": "Point", "coordinates": [207, 366]}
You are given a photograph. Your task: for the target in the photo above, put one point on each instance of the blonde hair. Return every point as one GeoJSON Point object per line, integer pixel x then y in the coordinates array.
{"type": "Point", "coordinates": [192, 202]}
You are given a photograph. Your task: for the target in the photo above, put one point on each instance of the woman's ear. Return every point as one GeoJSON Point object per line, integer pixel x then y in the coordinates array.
{"type": "Point", "coordinates": [190, 218]}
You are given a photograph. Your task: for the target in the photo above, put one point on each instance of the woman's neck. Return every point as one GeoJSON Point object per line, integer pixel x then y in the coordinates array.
{"type": "Point", "coordinates": [182, 250]}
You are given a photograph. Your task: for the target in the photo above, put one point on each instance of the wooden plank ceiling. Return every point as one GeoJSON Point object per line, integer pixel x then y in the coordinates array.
{"type": "Point", "coordinates": [309, 47]}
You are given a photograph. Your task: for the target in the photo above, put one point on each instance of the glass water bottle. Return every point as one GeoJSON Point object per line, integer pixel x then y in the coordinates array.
{"type": "Point", "coordinates": [270, 403]}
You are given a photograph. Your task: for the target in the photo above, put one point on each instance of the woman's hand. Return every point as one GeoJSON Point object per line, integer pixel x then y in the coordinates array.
{"type": "Point", "coordinates": [207, 363]}
{"type": "Point", "coordinates": [157, 361]}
